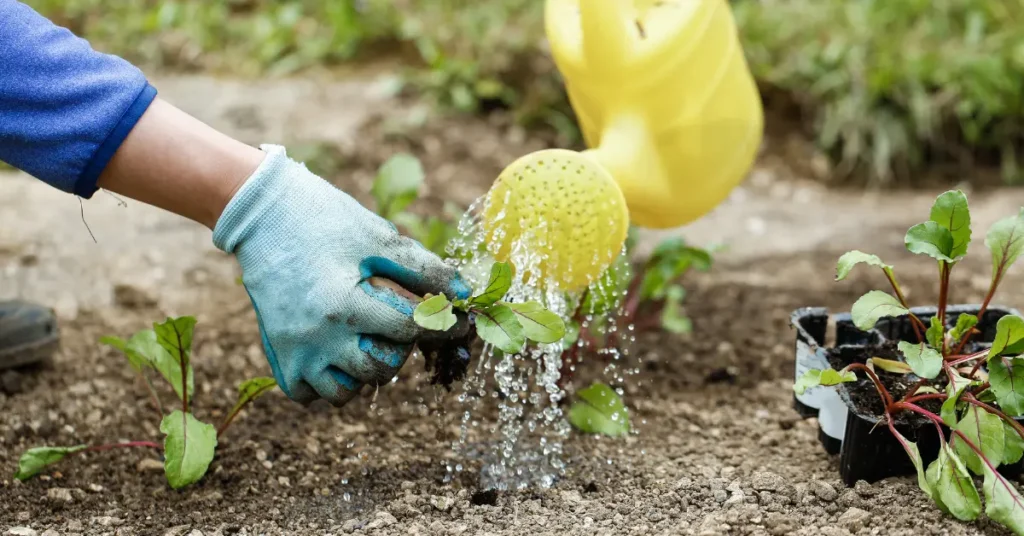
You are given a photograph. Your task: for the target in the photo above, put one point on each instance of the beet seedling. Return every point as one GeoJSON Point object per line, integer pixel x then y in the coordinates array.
{"type": "Point", "coordinates": [505, 325]}
{"type": "Point", "coordinates": [189, 444]}
{"type": "Point", "coordinates": [981, 389]}
{"type": "Point", "coordinates": [397, 186]}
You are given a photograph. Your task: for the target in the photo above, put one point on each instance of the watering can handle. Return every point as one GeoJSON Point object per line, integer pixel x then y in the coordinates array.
{"type": "Point", "coordinates": [605, 34]}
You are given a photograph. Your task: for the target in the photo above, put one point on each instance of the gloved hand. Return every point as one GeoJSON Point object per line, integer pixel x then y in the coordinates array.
{"type": "Point", "coordinates": [307, 251]}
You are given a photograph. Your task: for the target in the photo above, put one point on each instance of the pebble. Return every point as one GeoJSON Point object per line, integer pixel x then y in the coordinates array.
{"type": "Point", "coordinates": [823, 490]}
{"type": "Point", "coordinates": [864, 489]}
{"type": "Point", "coordinates": [96, 488]}
{"type": "Point", "coordinates": [571, 496]}
{"type": "Point", "coordinates": [408, 485]}
{"type": "Point", "coordinates": [60, 495]}
{"type": "Point", "coordinates": [21, 531]}
{"type": "Point", "coordinates": [854, 519]}
{"type": "Point", "coordinates": [12, 382]}
{"type": "Point", "coordinates": [441, 503]}
{"type": "Point", "coordinates": [75, 525]}
{"type": "Point", "coordinates": [849, 498]}
{"type": "Point", "coordinates": [352, 525]}
{"type": "Point", "coordinates": [50, 532]}
{"type": "Point", "coordinates": [107, 521]}
{"type": "Point", "coordinates": [381, 519]}
{"type": "Point", "coordinates": [148, 465]}
{"type": "Point", "coordinates": [721, 495]}
{"type": "Point", "coordinates": [767, 481]}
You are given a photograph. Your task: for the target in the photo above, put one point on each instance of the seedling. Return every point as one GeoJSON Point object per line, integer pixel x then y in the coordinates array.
{"type": "Point", "coordinates": [505, 325]}
{"type": "Point", "coordinates": [396, 187]}
{"type": "Point", "coordinates": [189, 444]}
{"type": "Point", "coordinates": [599, 410]}
{"type": "Point", "coordinates": [975, 394]}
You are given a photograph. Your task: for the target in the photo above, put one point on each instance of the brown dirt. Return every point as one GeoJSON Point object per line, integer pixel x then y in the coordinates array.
{"type": "Point", "coordinates": [719, 449]}
{"type": "Point", "coordinates": [711, 456]}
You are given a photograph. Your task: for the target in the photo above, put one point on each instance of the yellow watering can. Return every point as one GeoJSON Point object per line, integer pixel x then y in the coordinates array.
{"type": "Point", "coordinates": [671, 116]}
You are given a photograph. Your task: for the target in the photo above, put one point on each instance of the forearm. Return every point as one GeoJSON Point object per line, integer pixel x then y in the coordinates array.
{"type": "Point", "coordinates": [175, 162]}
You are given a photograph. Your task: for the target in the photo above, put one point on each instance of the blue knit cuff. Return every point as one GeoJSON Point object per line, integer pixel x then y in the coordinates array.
{"type": "Point", "coordinates": [85, 186]}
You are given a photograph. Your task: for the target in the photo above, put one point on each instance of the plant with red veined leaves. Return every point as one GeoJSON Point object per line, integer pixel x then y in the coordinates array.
{"type": "Point", "coordinates": [978, 405]}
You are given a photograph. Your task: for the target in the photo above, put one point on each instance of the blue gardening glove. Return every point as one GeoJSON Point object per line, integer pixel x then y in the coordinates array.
{"type": "Point", "coordinates": [307, 251]}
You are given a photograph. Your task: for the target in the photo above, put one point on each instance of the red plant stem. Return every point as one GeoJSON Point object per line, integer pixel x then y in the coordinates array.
{"type": "Point", "coordinates": [231, 417]}
{"type": "Point", "coordinates": [944, 270]}
{"type": "Point", "coordinates": [886, 397]}
{"type": "Point", "coordinates": [977, 365]}
{"type": "Point", "coordinates": [929, 396]}
{"type": "Point", "coordinates": [913, 389]}
{"type": "Point", "coordinates": [1006, 418]}
{"type": "Point", "coordinates": [984, 306]}
{"type": "Point", "coordinates": [936, 420]}
{"type": "Point", "coordinates": [981, 387]}
{"type": "Point", "coordinates": [957, 359]}
{"type": "Point", "coordinates": [915, 322]}
{"type": "Point", "coordinates": [130, 444]}
{"type": "Point", "coordinates": [184, 371]}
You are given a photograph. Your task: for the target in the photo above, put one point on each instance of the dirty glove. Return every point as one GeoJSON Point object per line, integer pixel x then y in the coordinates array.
{"type": "Point", "coordinates": [307, 251]}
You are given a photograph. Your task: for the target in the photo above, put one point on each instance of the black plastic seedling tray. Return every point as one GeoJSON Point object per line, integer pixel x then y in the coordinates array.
{"type": "Point", "coordinates": [867, 450]}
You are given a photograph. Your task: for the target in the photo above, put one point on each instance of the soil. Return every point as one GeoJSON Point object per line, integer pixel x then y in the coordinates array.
{"type": "Point", "coordinates": [718, 448]}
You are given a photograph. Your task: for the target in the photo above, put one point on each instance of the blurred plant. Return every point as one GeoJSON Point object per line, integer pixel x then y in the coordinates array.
{"type": "Point", "coordinates": [895, 85]}
{"type": "Point", "coordinates": [397, 185]}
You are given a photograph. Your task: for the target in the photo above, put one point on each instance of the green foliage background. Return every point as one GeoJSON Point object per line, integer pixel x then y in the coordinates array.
{"type": "Point", "coordinates": [884, 86]}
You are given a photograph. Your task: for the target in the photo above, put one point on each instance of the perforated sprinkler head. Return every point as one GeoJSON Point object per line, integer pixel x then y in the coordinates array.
{"type": "Point", "coordinates": [564, 208]}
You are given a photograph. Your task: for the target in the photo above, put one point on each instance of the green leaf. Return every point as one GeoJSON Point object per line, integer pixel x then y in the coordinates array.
{"type": "Point", "coordinates": [669, 261]}
{"type": "Point", "coordinates": [1006, 241]}
{"type": "Point", "coordinates": [954, 489]}
{"type": "Point", "coordinates": [144, 349]}
{"type": "Point", "coordinates": [1003, 503]}
{"type": "Point", "coordinates": [599, 410]}
{"type": "Point", "coordinates": [34, 460]}
{"type": "Point", "coordinates": [850, 259]}
{"type": "Point", "coordinates": [935, 332]}
{"type": "Point", "coordinates": [932, 239]}
{"type": "Point", "coordinates": [926, 362]}
{"type": "Point", "coordinates": [964, 323]}
{"type": "Point", "coordinates": [1009, 337]}
{"type": "Point", "coordinates": [1013, 446]}
{"type": "Point", "coordinates": [874, 305]}
{"type": "Point", "coordinates": [397, 184]}
{"type": "Point", "coordinates": [672, 317]}
{"type": "Point", "coordinates": [824, 378]}
{"type": "Point", "coordinates": [188, 448]}
{"type": "Point", "coordinates": [252, 389]}
{"type": "Point", "coordinates": [497, 286]}
{"type": "Point", "coordinates": [175, 336]}
{"type": "Point", "coordinates": [1006, 377]}
{"type": "Point", "coordinates": [435, 313]}
{"type": "Point", "coordinates": [890, 365]}
{"type": "Point", "coordinates": [539, 324]}
{"type": "Point", "coordinates": [985, 430]}
{"type": "Point", "coordinates": [953, 391]}
{"type": "Point", "coordinates": [606, 295]}
{"type": "Point", "coordinates": [951, 212]}
{"type": "Point", "coordinates": [915, 457]}
{"type": "Point", "coordinates": [498, 326]}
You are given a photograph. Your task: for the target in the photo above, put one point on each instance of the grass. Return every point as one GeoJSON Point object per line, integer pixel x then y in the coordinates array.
{"type": "Point", "coordinates": [886, 87]}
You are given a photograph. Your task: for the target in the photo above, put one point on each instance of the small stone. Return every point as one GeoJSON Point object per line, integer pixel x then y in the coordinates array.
{"type": "Point", "coordinates": [854, 519]}
{"type": "Point", "coordinates": [284, 481]}
{"type": "Point", "coordinates": [50, 532]}
{"type": "Point", "coordinates": [441, 503]}
{"type": "Point", "coordinates": [75, 525]}
{"type": "Point", "coordinates": [766, 481]}
{"type": "Point", "coordinates": [21, 531]}
{"type": "Point", "coordinates": [107, 521]}
{"type": "Point", "coordinates": [831, 530]}
{"type": "Point", "coordinates": [96, 488]}
{"type": "Point", "coordinates": [24, 516]}
{"type": "Point", "coordinates": [12, 382]}
{"type": "Point", "coordinates": [849, 498]}
{"type": "Point", "coordinates": [823, 490]}
{"type": "Point", "coordinates": [721, 495]}
{"type": "Point", "coordinates": [381, 519]}
{"type": "Point", "coordinates": [195, 532]}
{"type": "Point", "coordinates": [149, 465]}
{"type": "Point", "coordinates": [571, 496]}
{"type": "Point", "coordinates": [408, 485]}
{"type": "Point", "coordinates": [352, 525]}
{"type": "Point", "coordinates": [864, 489]}
{"type": "Point", "coordinates": [60, 495]}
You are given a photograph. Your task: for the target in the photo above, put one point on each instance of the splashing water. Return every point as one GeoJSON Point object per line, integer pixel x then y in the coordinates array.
{"type": "Point", "coordinates": [524, 447]}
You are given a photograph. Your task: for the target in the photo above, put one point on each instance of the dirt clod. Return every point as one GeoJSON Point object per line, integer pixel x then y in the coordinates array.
{"type": "Point", "coordinates": [149, 465]}
{"type": "Point", "coordinates": [854, 519]}
{"type": "Point", "coordinates": [485, 498]}
{"type": "Point", "coordinates": [823, 490]}
{"type": "Point", "coordinates": [767, 481]}
{"type": "Point", "coordinates": [62, 495]}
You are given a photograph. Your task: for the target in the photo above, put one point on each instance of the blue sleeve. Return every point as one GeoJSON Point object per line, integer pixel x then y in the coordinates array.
{"type": "Point", "coordinates": [65, 109]}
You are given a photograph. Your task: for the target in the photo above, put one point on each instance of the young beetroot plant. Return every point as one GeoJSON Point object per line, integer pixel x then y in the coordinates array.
{"type": "Point", "coordinates": [189, 444]}
{"type": "Point", "coordinates": [980, 392]}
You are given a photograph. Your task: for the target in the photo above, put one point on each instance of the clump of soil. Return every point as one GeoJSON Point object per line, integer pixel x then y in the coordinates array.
{"type": "Point", "coordinates": [864, 394]}
{"type": "Point", "coordinates": [447, 360]}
